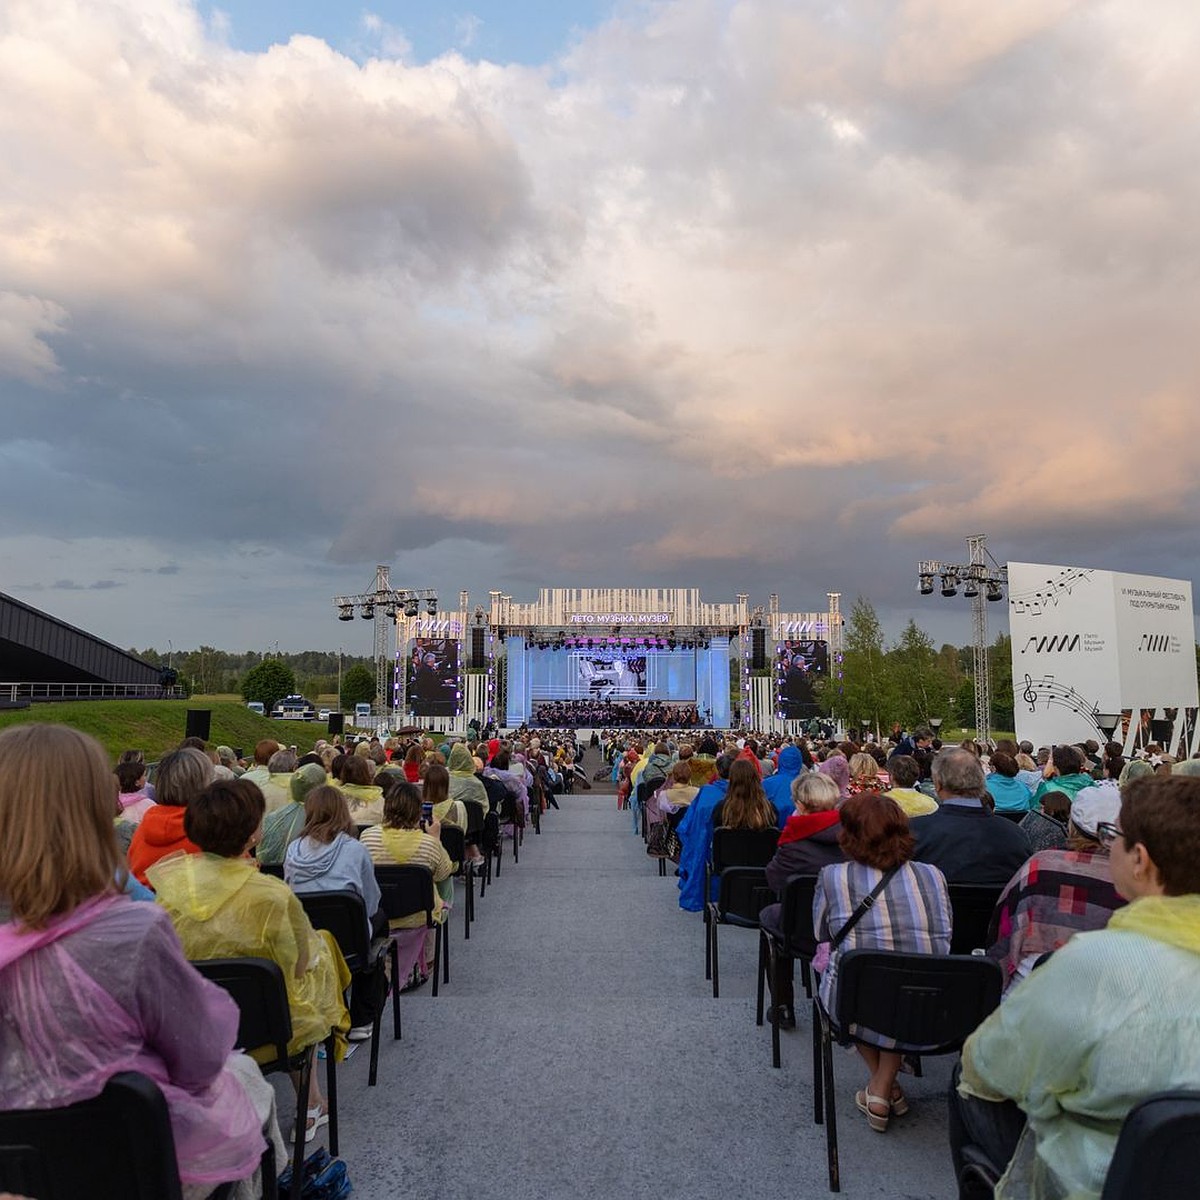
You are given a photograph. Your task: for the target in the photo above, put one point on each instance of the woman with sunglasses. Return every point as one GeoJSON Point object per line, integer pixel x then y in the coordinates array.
{"type": "Point", "coordinates": [1110, 1019]}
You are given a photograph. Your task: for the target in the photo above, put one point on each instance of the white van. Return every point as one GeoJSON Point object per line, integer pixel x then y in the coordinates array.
{"type": "Point", "coordinates": [362, 714]}
{"type": "Point", "coordinates": [257, 707]}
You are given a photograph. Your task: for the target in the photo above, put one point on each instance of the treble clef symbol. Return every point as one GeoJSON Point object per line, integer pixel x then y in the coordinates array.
{"type": "Point", "coordinates": [1029, 695]}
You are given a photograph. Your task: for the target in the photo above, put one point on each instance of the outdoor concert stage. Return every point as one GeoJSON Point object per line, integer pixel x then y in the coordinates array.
{"type": "Point", "coordinates": [632, 652]}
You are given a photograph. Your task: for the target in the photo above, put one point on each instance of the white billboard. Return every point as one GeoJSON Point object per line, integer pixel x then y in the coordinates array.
{"type": "Point", "coordinates": [1087, 642]}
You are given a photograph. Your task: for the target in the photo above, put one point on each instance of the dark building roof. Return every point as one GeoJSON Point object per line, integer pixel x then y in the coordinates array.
{"type": "Point", "coordinates": [38, 648]}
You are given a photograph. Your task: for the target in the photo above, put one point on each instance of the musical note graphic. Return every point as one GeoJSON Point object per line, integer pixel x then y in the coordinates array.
{"type": "Point", "coordinates": [1049, 694]}
{"type": "Point", "coordinates": [1035, 601]}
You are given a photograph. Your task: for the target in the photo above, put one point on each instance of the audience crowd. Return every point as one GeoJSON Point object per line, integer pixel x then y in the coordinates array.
{"type": "Point", "coordinates": [111, 881]}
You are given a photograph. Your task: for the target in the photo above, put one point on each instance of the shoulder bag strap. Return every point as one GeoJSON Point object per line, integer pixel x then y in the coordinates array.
{"type": "Point", "coordinates": [861, 911]}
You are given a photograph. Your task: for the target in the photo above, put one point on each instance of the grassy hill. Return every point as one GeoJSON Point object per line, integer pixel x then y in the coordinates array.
{"type": "Point", "coordinates": [158, 725]}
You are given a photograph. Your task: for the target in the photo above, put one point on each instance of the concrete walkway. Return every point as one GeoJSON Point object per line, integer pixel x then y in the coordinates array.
{"type": "Point", "coordinates": [577, 1052]}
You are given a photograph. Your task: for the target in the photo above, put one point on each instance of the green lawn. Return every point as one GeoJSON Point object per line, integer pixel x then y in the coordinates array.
{"type": "Point", "coordinates": [156, 726]}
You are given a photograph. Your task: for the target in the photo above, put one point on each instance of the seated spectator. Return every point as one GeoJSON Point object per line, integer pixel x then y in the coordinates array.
{"type": "Point", "coordinates": [838, 769]}
{"type": "Point", "coordinates": [462, 781]}
{"type": "Point", "coordinates": [413, 759]}
{"type": "Point", "coordinates": [404, 838]}
{"type": "Point", "coordinates": [1028, 772]}
{"type": "Point", "coordinates": [284, 824]}
{"type": "Point", "coordinates": [658, 765]}
{"type": "Point", "coordinates": [92, 984]}
{"type": "Point", "coordinates": [1046, 827]}
{"type": "Point", "coordinates": [1063, 772]}
{"type": "Point", "coordinates": [182, 774]}
{"type": "Point", "coordinates": [223, 907]}
{"type": "Point", "coordinates": [745, 804]}
{"type": "Point", "coordinates": [227, 758]}
{"type": "Point", "coordinates": [809, 841]}
{"type": "Point", "coordinates": [1009, 794]}
{"type": "Point", "coordinates": [1110, 1019]}
{"type": "Point", "coordinates": [327, 857]}
{"type": "Point", "coordinates": [676, 793]}
{"type": "Point", "coordinates": [1058, 893]}
{"type": "Point", "coordinates": [695, 833]}
{"type": "Point", "coordinates": [779, 787]}
{"type": "Point", "coordinates": [905, 771]}
{"type": "Point", "coordinates": [131, 782]}
{"type": "Point", "coordinates": [911, 914]}
{"type": "Point", "coordinates": [363, 794]}
{"type": "Point", "coordinates": [964, 839]}
{"type": "Point", "coordinates": [866, 775]}
{"type": "Point", "coordinates": [435, 790]}
{"type": "Point", "coordinates": [260, 772]}
{"type": "Point", "coordinates": [276, 788]}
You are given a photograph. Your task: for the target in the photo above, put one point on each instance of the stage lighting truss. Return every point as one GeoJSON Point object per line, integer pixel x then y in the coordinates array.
{"type": "Point", "coordinates": [391, 602]}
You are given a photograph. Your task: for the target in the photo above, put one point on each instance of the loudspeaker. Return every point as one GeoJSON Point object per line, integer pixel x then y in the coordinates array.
{"type": "Point", "coordinates": [1160, 731]}
{"type": "Point", "coordinates": [478, 655]}
{"type": "Point", "coordinates": [199, 722]}
{"type": "Point", "coordinates": [337, 723]}
{"type": "Point", "coordinates": [758, 649]}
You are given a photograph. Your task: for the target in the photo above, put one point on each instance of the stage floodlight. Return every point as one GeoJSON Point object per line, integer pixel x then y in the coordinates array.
{"type": "Point", "coordinates": [971, 587]}
{"type": "Point", "coordinates": [949, 584]}
{"type": "Point", "coordinates": [367, 612]}
{"type": "Point", "coordinates": [995, 590]}
{"type": "Point", "coordinates": [431, 606]}
{"type": "Point", "coordinates": [391, 612]}
{"type": "Point", "coordinates": [346, 612]}
{"type": "Point", "coordinates": [411, 606]}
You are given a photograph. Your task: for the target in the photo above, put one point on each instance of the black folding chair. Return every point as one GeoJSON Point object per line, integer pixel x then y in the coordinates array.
{"type": "Point", "coordinates": [477, 836]}
{"type": "Point", "coordinates": [928, 1004]}
{"type": "Point", "coordinates": [273, 869]}
{"type": "Point", "coordinates": [454, 842]}
{"type": "Point", "coordinates": [344, 915]}
{"type": "Point", "coordinates": [776, 954]}
{"type": "Point", "coordinates": [742, 855]}
{"type": "Point", "coordinates": [972, 906]}
{"type": "Point", "coordinates": [642, 797]}
{"type": "Point", "coordinates": [116, 1146]}
{"type": "Point", "coordinates": [408, 890]}
{"type": "Point", "coordinates": [265, 1023]}
{"type": "Point", "coordinates": [1158, 1153]}
{"type": "Point", "coordinates": [512, 814]}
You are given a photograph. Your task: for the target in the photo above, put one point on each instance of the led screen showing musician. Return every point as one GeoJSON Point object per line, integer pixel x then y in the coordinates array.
{"type": "Point", "coordinates": [433, 677]}
{"type": "Point", "coordinates": [799, 666]}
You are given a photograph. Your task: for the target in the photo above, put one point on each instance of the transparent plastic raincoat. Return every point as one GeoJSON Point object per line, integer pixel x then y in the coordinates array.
{"type": "Point", "coordinates": [224, 908]}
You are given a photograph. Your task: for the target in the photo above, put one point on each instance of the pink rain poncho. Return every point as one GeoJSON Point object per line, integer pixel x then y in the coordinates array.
{"type": "Point", "coordinates": [104, 989]}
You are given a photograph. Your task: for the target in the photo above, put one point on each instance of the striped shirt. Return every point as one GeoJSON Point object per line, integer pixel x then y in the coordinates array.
{"type": "Point", "coordinates": [911, 914]}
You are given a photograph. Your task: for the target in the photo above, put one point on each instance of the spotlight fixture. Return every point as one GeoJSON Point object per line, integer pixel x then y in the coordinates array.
{"type": "Point", "coordinates": [346, 612]}
{"type": "Point", "coordinates": [925, 585]}
{"type": "Point", "coordinates": [391, 612]}
{"type": "Point", "coordinates": [949, 583]}
{"type": "Point", "coordinates": [995, 590]}
{"type": "Point", "coordinates": [971, 587]}
{"type": "Point", "coordinates": [411, 606]}
{"type": "Point", "coordinates": [367, 612]}
{"type": "Point", "coordinates": [431, 606]}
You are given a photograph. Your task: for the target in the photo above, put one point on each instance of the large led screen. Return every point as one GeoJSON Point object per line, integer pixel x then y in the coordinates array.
{"type": "Point", "coordinates": [433, 677]}
{"type": "Point", "coordinates": [798, 667]}
{"type": "Point", "coordinates": [612, 673]}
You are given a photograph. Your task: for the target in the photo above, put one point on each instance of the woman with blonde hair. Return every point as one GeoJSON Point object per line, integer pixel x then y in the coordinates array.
{"type": "Point", "coordinates": [364, 796]}
{"type": "Point", "coordinates": [92, 983]}
{"type": "Point", "coordinates": [866, 775]}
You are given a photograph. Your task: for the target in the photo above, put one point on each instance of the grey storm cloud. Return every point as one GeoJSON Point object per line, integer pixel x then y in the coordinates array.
{"type": "Point", "coordinates": [731, 295]}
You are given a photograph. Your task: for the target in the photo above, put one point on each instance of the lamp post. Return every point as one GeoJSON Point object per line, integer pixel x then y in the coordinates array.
{"type": "Point", "coordinates": [935, 723]}
{"type": "Point", "coordinates": [982, 579]}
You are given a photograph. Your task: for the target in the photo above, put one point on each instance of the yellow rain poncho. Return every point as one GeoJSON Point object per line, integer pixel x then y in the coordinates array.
{"type": "Point", "coordinates": [224, 908]}
{"type": "Point", "coordinates": [1107, 1021]}
{"type": "Point", "coordinates": [365, 801]}
{"type": "Point", "coordinates": [464, 784]}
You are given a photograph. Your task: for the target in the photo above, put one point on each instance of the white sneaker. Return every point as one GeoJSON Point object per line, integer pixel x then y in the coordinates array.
{"type": "Point", "coordinates": [360, 1033]}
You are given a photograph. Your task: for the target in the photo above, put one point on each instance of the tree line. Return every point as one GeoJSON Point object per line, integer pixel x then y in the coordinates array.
{"type": "Point", "coordinates": [209, 671]}
{"type": "Point", "coordinates": [911, 680]}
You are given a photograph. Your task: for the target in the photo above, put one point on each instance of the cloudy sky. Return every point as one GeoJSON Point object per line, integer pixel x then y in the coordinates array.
{"type": "Point", "coordinates": [749, 295]}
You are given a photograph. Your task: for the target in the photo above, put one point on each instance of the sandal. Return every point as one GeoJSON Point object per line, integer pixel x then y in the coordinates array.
{"type": "Point", "coordinates": [899, 1102]}
{"type": "Point", "coordinates": [877, 1121]}
{"type": "Point", "coordinates": [316, 1119]}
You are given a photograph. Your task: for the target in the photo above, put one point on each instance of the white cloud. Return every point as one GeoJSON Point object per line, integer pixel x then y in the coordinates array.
{"type": "Point", "coordinates": [875, 270]}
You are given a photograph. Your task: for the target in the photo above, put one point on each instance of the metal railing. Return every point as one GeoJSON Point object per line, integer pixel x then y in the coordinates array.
{"type": "Point", "coordinates": [89, 691]}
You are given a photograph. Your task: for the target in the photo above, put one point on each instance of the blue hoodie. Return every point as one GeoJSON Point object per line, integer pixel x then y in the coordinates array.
{"type": "Point", "coordinates": [779, 786]}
